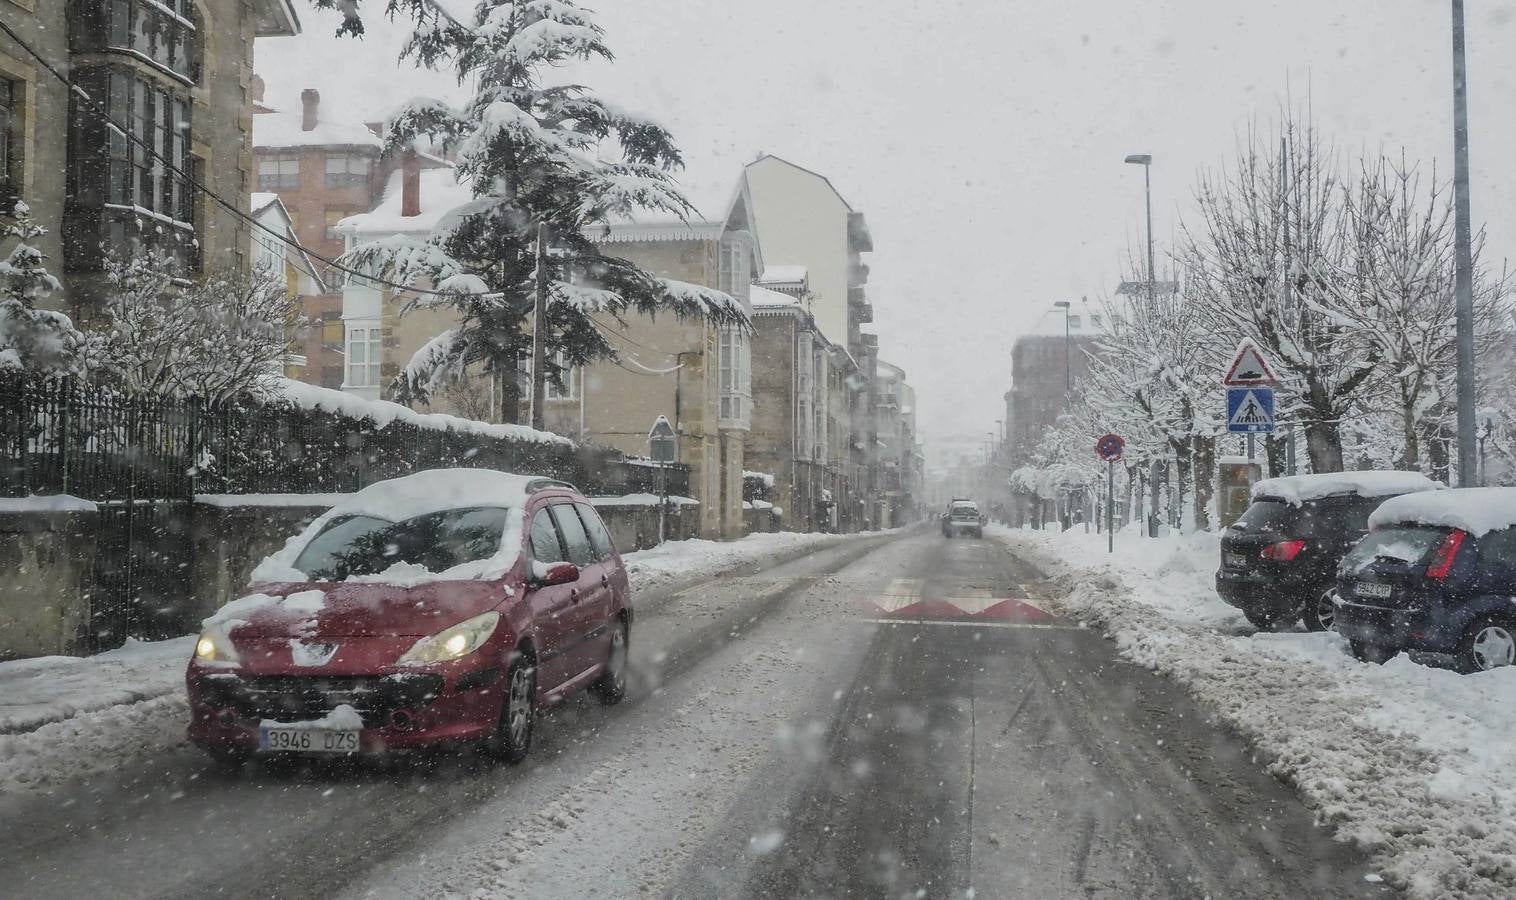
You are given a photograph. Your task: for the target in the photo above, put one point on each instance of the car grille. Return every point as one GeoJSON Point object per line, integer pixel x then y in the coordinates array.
{"type": "Point", "coordinates": [294, 698]}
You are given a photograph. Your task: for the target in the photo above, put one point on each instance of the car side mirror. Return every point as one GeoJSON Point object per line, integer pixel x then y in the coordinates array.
{"type": "Point", "coordinates": [559, 573]}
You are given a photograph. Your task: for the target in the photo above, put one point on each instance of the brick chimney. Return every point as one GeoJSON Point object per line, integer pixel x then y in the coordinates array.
{"type": "Point", "coordinates": [255, 89]}
{"type": "Point", "coordinates": [310, 101]}
{"type": "Point", "coordinates": [410, 183]}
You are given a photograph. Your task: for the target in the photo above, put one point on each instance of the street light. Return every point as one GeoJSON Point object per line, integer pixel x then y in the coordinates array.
{"type": "Point", "coordinates": [1146, 161]}
{"type": "Point", "coordinates": [1068, 371]}
{"type": "Point", "coordinates": [1463, 279]}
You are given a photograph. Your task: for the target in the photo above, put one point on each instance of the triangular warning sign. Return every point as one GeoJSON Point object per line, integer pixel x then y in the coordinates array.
{"type": "Point", "coordinates": [1250, 412]}
{"type": "Point", "coordinates": [1248, 367]}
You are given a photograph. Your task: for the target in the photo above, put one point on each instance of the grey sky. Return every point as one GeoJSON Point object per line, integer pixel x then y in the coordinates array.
{"type": "Point", "coordinates": [984, 140]}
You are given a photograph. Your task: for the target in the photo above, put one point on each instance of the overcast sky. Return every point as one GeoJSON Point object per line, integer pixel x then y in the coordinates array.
{"type": "Point", "coordinates": [984, 140]}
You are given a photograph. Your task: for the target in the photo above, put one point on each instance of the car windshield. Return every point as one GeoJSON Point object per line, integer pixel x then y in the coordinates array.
{"type": "Point", "coordinates": [365, 545]}
{"type": "Point", "coordinates": [1404, 544]}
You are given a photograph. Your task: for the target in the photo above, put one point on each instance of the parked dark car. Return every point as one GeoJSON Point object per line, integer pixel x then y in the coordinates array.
{"type": "Point", "coordinates": [445, 607]}
{"type": "Point", "coordinates": [1435, 574]}
{"type": "Point", "coordinates": [1279, 560]}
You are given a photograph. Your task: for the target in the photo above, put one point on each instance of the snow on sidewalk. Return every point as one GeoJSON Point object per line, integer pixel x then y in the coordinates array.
{"type": "Point", "coordinates": [1415, 764]}
{"type": "Point", "coordinates": [63, 717]}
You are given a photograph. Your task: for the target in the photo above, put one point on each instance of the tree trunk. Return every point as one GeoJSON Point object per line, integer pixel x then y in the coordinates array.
{"type": "Point", "coordinates": [1204, 450]}
{"type": "Point", "coordinates": [1438, 456]}
{"type": "Point", "coordinates": [1410, 454]}
{"type": "Point", "coordinates": [1181, 481]}
{"type": "Point", "coordinates": [510, 398]}
{"type": "Point", "coordinates": [1323, 443]}
{"type": "Point", "coordinates": [1276, 455]}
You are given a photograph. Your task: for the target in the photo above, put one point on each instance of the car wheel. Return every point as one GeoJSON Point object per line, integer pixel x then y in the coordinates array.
{"type": "Point", "coordinates": [518, 712]}
{"type": "Point", "coordinates": [1262, 621]}
{"type": "Point", "coordinates": [612, 683]}
{"type": "Point", "coordinates": [1487, 644]}
{"type": "Point", "coordinates": [1320, 614]}
{"type": "Point", "coordinates": [1363, 651]}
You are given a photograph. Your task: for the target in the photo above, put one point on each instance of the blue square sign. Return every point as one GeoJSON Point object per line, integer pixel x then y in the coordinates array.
{"type": "Point", "coordinates": [1250, 410]}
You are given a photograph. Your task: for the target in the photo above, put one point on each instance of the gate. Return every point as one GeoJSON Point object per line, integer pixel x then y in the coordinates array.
{"type": "Point", "coordinates": [142, 572]}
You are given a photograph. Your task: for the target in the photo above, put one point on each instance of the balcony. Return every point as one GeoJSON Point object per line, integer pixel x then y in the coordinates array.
{"type": "Point", "coordinates": [857, 273]}
{"type": "Point", "coordinates": [863, 313]}
{"type": "Point", "coordinates": [858, 238]}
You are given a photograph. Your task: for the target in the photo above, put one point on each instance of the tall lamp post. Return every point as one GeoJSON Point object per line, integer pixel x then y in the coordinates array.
{"type": "Point", "coordinates": [1146, 161]}
{"type": "Point", "coordinates": [1463, 280]}
{"type": "Point", "coordinates": [1068, 371]}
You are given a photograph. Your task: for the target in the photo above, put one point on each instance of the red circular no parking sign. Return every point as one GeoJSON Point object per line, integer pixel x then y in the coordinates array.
{"type": "Point", "coordinates": [1110, 447]}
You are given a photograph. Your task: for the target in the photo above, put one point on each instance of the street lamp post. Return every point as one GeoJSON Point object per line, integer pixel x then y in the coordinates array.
{"type": "Point", "coordinates": [1146, 161]}
{"type": "Point", "coordinates": [1463, 281]}
{"type": "Point", "coordinates": [1068, 371]}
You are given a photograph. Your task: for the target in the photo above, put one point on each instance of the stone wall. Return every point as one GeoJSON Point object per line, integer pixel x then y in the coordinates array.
{"type": "Point", "coordinates": [228, 541]}
{"type": "Point", "coordinates": [634, 525]}
{"type": "Point", "coordinates": [48, 558]}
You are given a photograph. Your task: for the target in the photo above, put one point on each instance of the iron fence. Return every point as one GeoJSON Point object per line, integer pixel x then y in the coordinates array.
{"type": "Point", "coordinates": [60, 435]}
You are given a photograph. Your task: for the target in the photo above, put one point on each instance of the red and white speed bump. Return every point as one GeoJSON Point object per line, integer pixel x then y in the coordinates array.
{"type": "Point", "coordinates": [903, 601]}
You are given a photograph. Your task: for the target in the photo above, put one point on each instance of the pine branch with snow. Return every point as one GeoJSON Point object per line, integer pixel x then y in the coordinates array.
{"type": "Point", "coordinates": [36, 340]}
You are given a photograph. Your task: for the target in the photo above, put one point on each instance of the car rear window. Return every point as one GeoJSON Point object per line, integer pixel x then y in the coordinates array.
{"type": "Point", "coordinates": [1270, 515]}
{"type": "Point", "coordinates": [1407, 544]}
{"type": "Point", "coordinates": [364, 545]}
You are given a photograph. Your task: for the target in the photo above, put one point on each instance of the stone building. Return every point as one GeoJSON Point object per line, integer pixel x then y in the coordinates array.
{"type": "Point", "coordinates": [174, 75]}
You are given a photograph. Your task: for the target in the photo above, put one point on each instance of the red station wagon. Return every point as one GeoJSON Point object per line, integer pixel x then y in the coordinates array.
{"type": "Point", "coordinates": [445, 607]}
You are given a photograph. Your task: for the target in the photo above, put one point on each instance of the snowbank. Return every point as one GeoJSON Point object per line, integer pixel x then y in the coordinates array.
{"type": "Point", "coordinates": [1297, 489]}
{"type": "Point", "coordinates": [1412, 763]}
{"type": "Point", "coordinates": [642, 500]}
{"type": "Point", "coordinates": [46, 503]}
{"type": "Point", "coordinates": [696, 558]}
{"type": "Point", "coordinates": [1475, 510]}
{"type": "Point", "coordinates": [271, 500]}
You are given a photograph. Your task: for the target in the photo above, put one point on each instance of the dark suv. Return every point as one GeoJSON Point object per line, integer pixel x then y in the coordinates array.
{"type": "Point", "coordinates": [1279, 560]}
{"type": "Point", "coordinates": [1435, 575]}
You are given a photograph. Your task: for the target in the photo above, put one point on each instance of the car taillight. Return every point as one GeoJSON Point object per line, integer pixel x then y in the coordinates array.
{"type": "Point", "coordinates": [1447, 551]}
{"type": "Point", "coordinates": [1284, 551]}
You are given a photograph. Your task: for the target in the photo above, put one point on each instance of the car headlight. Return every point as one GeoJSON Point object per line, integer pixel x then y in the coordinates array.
{"type": "Point", "coordinates": [214, 646]}
{"type": "Point", "coordinates": [452, 643]}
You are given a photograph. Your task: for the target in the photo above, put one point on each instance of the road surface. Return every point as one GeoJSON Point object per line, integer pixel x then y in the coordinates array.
{"type": "Point", "coordinates": [890, 717]}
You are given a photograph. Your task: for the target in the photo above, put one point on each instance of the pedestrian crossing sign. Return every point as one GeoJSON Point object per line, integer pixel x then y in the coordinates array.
{"type": "Point", "coordinates": [1250, 410]}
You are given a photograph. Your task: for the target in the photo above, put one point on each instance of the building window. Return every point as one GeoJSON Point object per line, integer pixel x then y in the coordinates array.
{"type": "Point", "coordinates": [734, 275]}
{"type": "Point", "coordinates": [278, 171]}
{"type": "Point", "coordinates": [736, 379]}
{"type": "Point", "coordinates": [10, 145]}
{"type": "Point", "coordinates": [571, 375]}
{"type": "Point", "coordinates": [343, 170]}
{"type": "Point", "coordinates": [364, 355]}
{"type": "Point", "coordinates": [160, 33]}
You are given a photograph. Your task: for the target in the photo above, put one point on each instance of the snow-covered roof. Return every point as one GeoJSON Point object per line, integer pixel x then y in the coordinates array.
{"type": "Point", "coordinates": [762, 297]}
{"type": "Point", "coordinates": [441, 193]}
{"type": "Point", "coordinates": [1082, 322]}
{"type": "Point", "coordinates": [784, 275]}
{"type": "Point", "coordinates": [275, 130]}
{"type": "Point", "coordinates": [1475, 510]}
{"type": "Point", "coordinates": [262, 200]}
{"type": "Point", "coordinates": [656, 232]}
{"type": "Point", "coordinates": [1297, 489]}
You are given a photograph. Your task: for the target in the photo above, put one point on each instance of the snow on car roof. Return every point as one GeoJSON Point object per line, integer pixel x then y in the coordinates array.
{"type": "Point", "coordinates": [1475, 510]}
{"type": "Point", "coordinates": [1297, 489]}
{"type": "Point", "coordinates": [438, 489]}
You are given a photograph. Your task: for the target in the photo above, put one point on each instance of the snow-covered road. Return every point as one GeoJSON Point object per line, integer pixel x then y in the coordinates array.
{"type": "Point", "coordinates": [779, 740]}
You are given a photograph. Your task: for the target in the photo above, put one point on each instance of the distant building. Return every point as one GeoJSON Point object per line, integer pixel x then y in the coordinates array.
{"type": "Point", "coordinates": [1045, 361]}
{"type": "Point", "coordinates": [276, 248]}
{"type": "Point", "coordinates": [178, 86]}
{"type": "Point", "coordinates": [900, 463]}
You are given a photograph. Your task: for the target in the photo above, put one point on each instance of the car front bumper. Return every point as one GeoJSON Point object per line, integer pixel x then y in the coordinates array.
{"type": "Point", "coordinates": [422, 710]}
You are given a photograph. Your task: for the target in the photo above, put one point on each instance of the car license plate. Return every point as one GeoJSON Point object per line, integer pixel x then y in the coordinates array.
{"type": "Point", "coordinates": [1236, 560]}
{"type": "Point", "coordinates": [306, 740]}
{"type": "Point", "coordinates": [1369, 589]}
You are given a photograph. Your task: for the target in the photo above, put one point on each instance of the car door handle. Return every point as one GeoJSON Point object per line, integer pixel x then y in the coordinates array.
{"type": "Point", "coordinates": [573, 595]}
{"type": "Point", "coordinates": [605, 581]}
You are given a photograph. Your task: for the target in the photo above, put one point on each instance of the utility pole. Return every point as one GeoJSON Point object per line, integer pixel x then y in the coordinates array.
{"type": "Point", "coordinates": [539, 332]}
{"type": "Point", "coordinates": [1463, 286]}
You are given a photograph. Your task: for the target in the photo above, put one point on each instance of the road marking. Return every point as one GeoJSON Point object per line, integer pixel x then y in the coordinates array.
{"type": "Point", "coordinates": [972, 623]}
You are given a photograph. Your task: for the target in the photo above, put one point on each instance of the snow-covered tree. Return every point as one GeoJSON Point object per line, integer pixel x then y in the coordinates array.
{"type": "Point", "coordinates": [1400, 295]}
{"type": "Point", "coordinates": [216, 338]}
{"type": "Point", "coordinates": [1263, 261]}
{"type": "Point", "coordinates": [32, 339]}
{"type": "Point", "coordinates": [535, 154]}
